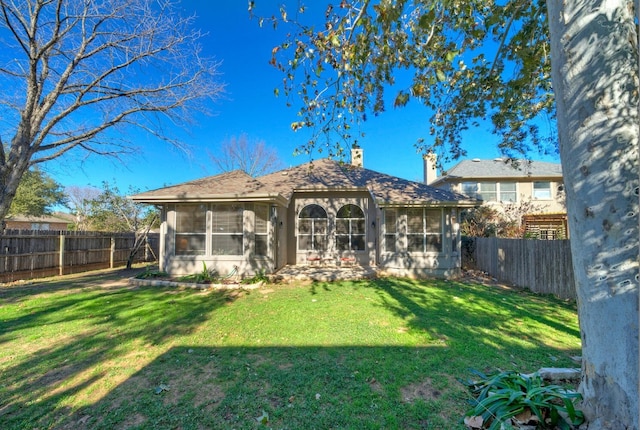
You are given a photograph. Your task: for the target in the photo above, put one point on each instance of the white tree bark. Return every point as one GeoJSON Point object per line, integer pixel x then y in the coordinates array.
{"type": "Point", "coordinates": [595, 79]}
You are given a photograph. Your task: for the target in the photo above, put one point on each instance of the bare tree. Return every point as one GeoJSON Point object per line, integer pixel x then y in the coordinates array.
{"type": "Point", "coordinates": [253, 157]}
{"type": "Point", "coordinates": [83, 74]}
{"type": "Point", "coordinates": [79, 200]}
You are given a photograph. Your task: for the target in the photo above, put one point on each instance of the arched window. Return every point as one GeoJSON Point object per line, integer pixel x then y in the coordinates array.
{"type": "Point", "coordinates": [350, 228]}
{"type": "Point", "coordinates": [312, 228]}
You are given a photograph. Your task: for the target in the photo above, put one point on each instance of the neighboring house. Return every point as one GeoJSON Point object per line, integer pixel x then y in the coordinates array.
{"type": "Point", "coordinates": [322, 212]}
{"type": "Point", "coordinates": [535, 185]}
{"type": "Point", "coordinates": [56, 221]}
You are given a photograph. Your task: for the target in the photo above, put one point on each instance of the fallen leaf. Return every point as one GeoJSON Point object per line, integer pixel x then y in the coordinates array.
{"type": "Point", "coordinates": [474, 422]}
{"type": "Point", "coordinates": [264, 418]}
{"type": "Point", "coordinates": [160, 388]}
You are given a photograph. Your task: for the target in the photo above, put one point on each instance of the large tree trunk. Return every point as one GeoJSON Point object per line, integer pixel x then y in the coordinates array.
{"type": "Point", "coordinates": [595, 79]}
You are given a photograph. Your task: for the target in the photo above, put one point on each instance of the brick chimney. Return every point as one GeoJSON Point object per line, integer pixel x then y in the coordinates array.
{"type": "Point", "coordinates": [357, 156]}
{"type": "Point", "coordinates": [430, 172]}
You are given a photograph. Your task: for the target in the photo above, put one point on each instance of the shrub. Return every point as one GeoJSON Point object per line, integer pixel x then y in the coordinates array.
{"type": "Point", "coordinates": [505, 399]}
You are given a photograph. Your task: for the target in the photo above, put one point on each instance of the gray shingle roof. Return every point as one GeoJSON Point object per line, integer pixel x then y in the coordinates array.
{"type": "Point", "coordinates": [499, 168]}
{"type": "Point", "coordinates": [319, 175]}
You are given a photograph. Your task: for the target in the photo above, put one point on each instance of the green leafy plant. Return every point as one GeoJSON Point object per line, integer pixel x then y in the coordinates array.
{"type": "Point", "coordinates": [205, 276]}
{"type": "Point", "coordinates": [508, 398]}
{"type": "Point", "coordinates": [260, 276]}
{"type": "Point", "coordinates": [150, 273]}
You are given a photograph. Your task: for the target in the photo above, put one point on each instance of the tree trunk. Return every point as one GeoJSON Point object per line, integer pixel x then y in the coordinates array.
{"type": "Point", "coordinates": [595, 79]}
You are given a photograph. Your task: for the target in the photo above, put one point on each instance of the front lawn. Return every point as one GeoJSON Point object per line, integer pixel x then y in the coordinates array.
{"type": "Point", "coordinates": [92, 352]}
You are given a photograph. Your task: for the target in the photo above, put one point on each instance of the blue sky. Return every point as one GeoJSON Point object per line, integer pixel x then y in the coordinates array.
{"type": "Point", "coordinates": [250, 108]}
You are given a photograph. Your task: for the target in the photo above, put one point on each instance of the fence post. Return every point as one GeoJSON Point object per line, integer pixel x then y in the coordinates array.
{"type": "Point", "coordinates": [113, 252]}
{"type": "Point", "coordinates": [61, 263]}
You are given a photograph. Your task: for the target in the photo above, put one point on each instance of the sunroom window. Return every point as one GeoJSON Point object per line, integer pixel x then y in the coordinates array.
{"type": "Point", "coordinates": [390, 230]}
{"type": "Point", "coordinates": [312, 228]}
{"type": "Point", "coordinates": [424, 230]}
{"type": "Point", "coordinates": [191, 229]}
{"type": "Point", "coordinates": [350, 228]}
{"type": "Point", "coordinates": [226, 230]}
{"type": "Point", "coordinates": [261, 229]}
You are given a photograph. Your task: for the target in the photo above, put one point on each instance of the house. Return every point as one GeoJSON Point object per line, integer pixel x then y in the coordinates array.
{"type": "Point", "coordinates": [320, 213]}
{"type": "Point", "coordinates": [499, 182]}
{"type": "Point", "coordinates": [56, 221]}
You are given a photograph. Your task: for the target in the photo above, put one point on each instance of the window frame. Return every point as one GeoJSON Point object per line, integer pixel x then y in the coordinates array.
{"type": "Point", "coordinates": [236, 235]}
{"type": "Point", "coordinates": [349, 234]}
{"type": "Point", "coordinates": [315, 224]}
{"type": "Point", "coordinates": [548, 195]}
{"type": "Point", "coordinates": [424, 234]}
{"type": "Point", "coordinates": [188, 235]}
{"type": "Point", "coordinates": [392, 236]}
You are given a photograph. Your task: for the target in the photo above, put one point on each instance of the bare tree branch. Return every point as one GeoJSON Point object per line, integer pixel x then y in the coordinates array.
{"type": "Point", "coordinates": [74, 70]}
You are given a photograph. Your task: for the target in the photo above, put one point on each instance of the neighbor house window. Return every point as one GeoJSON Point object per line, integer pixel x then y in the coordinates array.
{"type": "Point", "coordinates": [350, 228]}
{"type": "Point", "coordinates": [312, 228]}
{"type": "Point", "coordinates": [508, 192]}
{"type": "Point", "coordinates": [261, 229]}
{"type": "Point", "coordinates": [470, 189]}
{"type": "Point", "coordinates": [542, 190]}
{"type": "Point", "coordinates": [390, 230]}
{"type": "Point", "coordinates": [424, 230]}
{"type": "Point", "coordinates": [191, 229]}
{"type": "Point", "coordinates": [226, 230]}
{"type": "Point", "coordinates": [487, 191]}
{"type": "Point", "coordinates": [491, 191]}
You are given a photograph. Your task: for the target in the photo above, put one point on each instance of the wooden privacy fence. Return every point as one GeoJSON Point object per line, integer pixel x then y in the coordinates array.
{"type": "Point", "coordinates": [543, 266]}
{"type": "Point", "coordinates": [27, 254]}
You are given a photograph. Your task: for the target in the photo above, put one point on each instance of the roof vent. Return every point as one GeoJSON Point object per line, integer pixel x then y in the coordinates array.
{"type": "Point", "coordinates": [476, 160]}
{"type": "Point", "coordinates": [497, 159]}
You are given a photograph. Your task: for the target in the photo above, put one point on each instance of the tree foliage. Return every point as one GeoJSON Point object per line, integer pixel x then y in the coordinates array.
{"type": "Point", "coordinates": [37, 194]}
{"type": "Point", "coordinates": [466, 61]}
{"type": "Point", "coordinates": [112, 211]}
{"type": "Point", "coordinates": [253, 157]}
{"type": "Point", "coordinates": [83, 75]}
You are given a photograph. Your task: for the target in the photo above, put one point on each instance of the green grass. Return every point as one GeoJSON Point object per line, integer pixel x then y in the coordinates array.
{"type": "Point", "coordinates": [91, 351]}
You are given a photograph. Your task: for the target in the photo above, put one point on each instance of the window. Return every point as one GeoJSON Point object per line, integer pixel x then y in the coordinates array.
{"type": "Point", "coordinates": [390, 230]}
{"type": "Point", "coordinates": [226, 230]}
{"type": "Point", "coordinates": [487, 191]}
{"type": "Point", "coordinates": [424, 230]}
{"type": "Point", "coordinates": [261, 229]}
{"type": "Point", "coordinates": [312, 228]}
{"type": "Point", "coordinates": [470, 189]}
{"type": "Point", "coordinates": [191, 229]}
{"type": "Point", "coordinates": [490, 191]}
{"type": "Point", "coordinates": [350, 229]}
{"type": "Point", "coordinates": [508, 192]}
{"type": "Point", "coordinates": [542, 190]}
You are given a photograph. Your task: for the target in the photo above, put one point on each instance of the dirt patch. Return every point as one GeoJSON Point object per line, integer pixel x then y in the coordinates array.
{"type": "Point", "coordinates": [423, 390]}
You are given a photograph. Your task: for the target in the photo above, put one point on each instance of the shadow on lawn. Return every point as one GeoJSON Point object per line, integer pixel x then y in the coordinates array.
{"type": "Point", "coordinates": [108, 315]}
{"type": "Point", "coordinates": [297, 387]}
{"type": "Point", "coordinates": [448, 309]}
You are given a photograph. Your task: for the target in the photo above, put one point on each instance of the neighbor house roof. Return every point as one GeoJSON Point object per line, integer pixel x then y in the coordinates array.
{"type": "Point", "coordinates": [501, 168]}
{"type": "Point", "coordinates": [318, 175]}
{"type": "Point", "coordinates": [53, 218]}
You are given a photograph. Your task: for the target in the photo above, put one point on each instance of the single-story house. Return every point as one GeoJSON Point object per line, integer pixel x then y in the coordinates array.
{"type": "Point", "coordinates": [321, 212]}
{"type": "Point", "coordinates": [56, 221]}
